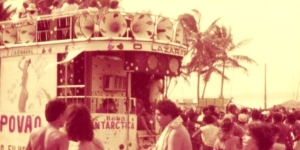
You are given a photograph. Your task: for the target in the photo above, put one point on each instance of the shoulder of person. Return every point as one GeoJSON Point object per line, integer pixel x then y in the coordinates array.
{"type": "Point", "coordinates": [98, 144]}
{"type": "Point", "coordinates": [179, 131]}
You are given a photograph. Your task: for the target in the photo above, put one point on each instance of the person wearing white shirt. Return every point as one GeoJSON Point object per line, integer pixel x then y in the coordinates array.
{"type": "Point", "coordinates": [69, 6]}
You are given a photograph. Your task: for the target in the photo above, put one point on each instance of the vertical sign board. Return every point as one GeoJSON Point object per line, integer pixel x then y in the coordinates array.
{"type": "Point", "coordinates": [26, 86]}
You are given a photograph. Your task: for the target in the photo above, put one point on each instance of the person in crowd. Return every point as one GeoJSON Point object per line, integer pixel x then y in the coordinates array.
{"type": "Point", "coordinates": [43, 8]}
{"type": "Point", "coordinates": [204, 112]}
{"type": "Point", "coordinates": [31, 11]}
{"type": "Point", "coordinates": [284, 133]}
{"type": "Point", "coordinates": [93, 6]}
{"type": "Point", "coordinates": [50, 137]}
{"type": "Point", "coordinates": [295, 129]}
{"type": "Point", "coordinates": [255, 116]}
{"type": "Point", "coordinates": [108, 106]}
{"type": "Point", "coordinates": [232, 111]}
{"type": "Point", "coordinates": [143, 118]}
{"type": "Point", "coordinates": [69, 6]}
{"type": "Point", "coordinates": [277, 145]}
{"type": "Point", "coordinates": [212, 111]}
{"type": "Point", "coordinates": [174, 135]}
{"type": "Point", "coordinates": [242, 121]}
{"type": "Point", "coordinates": [208, 132]}
{"type": "Point", "coordinates": [259, 137]}
{"type": "Point", "coordinates": [84, 4]}
{"type": "Point", "coordinates": [79, 127]}
{"type": "Point", "coordinates": [55, 9]}
{"type": "Point", "coordinates": [221, 115]}
{"type": "Point", "coordinates": [225, 140]}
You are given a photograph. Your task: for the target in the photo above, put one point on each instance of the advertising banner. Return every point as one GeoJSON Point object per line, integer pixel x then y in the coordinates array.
{"type": "Point", "coordinates": [15, 129]}
{"type": "Point", "coordinates": [115, 131]}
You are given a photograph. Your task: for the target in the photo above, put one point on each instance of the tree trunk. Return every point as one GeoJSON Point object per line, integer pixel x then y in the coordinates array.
{"type": "Point", "coordinates": [204, 88]}
{"type": "Point", "coordinates": [222, 80]}
{"type": "Point", "coordinates": [198, 88]}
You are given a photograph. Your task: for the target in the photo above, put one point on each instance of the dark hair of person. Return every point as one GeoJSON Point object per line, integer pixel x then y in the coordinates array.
{"type": "Point", "coordinates": [114, 4]}
{"type": "Point", "coordinates": [93, 3]}
{"type": "Point", "coordinates": [55, 3]}
{"type": "Point", "coordinates": [211, 108]}
{"type": "Point", "coordinates": [167, 107]}
{"type": "Point", "coordinates": [79, 125]}
{"type": "Point", "coordinates": [226, 126]}
{"type": "Point", "coordinates": [54, 109]}
{"type": "Point", "coordinates": [256, 114]}
{"type": "Point", "coordinates": [204, 109]}
{"type": "Point", "coordinates": [244, 111]}
{"type": "Point", "coordinates": [277, 117]}
{"type": "Point", "coordinates": [291, 118]}
{"type": "Point", "coordinates": [71, 1]}
{"type": "Point", "coordinates": [209, 119]}
{"type": "Point", "coordinates": [263, 135]}
{"type": "Point", "coordinates": [232, 108]}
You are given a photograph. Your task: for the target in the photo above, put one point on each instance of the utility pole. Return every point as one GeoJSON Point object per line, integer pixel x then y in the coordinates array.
{"type": "Point", "coordinates": [265, 102]}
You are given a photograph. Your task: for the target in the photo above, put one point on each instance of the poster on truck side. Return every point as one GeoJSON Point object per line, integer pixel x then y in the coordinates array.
{"type": "Point", "coordinates": [26, 84]}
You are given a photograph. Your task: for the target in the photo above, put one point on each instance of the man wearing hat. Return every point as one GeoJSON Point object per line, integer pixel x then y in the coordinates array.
{"type": "Point", "coordinates": [31, 11]}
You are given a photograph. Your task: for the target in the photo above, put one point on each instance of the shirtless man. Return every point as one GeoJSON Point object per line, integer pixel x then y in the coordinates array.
{"type": "Point", "coordinates": [49, 137]}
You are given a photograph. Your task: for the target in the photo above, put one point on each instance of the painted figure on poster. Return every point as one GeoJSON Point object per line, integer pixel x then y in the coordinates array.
{"type": "Point", "coordinates": [24, 92]}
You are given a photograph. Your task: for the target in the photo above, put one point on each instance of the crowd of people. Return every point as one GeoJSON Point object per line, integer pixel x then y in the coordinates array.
{"type": "Point", "coordinates": [243, 128]}
{"type": "Point", "coordinates": [180, 129]}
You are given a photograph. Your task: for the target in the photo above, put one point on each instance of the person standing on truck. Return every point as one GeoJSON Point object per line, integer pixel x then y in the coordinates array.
{"type": "Point", "coordinates": [49, 137]}
{"type": "Point", "coordinates": [174, 135]}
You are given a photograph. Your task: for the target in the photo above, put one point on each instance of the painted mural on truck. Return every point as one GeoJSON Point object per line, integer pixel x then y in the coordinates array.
{"type": "Point", "coordinates": [26, 85]}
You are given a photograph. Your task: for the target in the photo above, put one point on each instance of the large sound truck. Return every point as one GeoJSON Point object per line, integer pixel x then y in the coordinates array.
{"type": "Point", "coordinates": [86, 57]}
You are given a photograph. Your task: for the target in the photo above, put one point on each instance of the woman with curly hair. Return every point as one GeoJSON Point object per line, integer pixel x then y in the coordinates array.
{"type": "Point", "coordinates": [79, 127]}
{"type": "Point", "coordinates": [259, 136]}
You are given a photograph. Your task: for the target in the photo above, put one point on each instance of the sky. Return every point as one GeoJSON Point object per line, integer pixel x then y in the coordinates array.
{"type": "Point", "coordinates": [273, 26]}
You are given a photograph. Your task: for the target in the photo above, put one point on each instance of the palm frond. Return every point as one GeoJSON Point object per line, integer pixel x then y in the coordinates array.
{"type": "Point", "coordinates": [243, 58]}
{"type": "Point", "coordinates": [5, 13]}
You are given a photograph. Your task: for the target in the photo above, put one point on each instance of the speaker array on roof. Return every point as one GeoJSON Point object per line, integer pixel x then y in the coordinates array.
{"type": "Point", "coordinates": [94, 24]}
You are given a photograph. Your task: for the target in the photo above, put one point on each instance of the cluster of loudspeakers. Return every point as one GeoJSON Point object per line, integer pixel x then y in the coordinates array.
{"type": "Point", "coordinates": [143, 26]}
{"type": "Point", "coordinates": [111, 24]}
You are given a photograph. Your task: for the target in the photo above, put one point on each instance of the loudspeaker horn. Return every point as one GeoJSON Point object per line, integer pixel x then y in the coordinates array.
{"type": "Point", "coordinates": [180, 36]}
{"type": "Point", "coordinates": [27, 33]}
{"type": "Point", "coordinates": [142, 26]}
{"type": "Point", "coordinates": [113, 24]}
{"type": "Point", "coordinates": [84, 26]}
{"type": "Point", "coordinates": [10, 35]}
{"type": "Point", "coordinates": [164, 29]}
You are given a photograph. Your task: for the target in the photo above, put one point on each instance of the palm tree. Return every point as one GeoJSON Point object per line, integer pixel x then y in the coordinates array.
{"type": "Point", "coordinates": [203, 48]}
{"type": "Point", "coordinates": [209, 51]}
{"type": "Point", "coordinates": [224, 59]}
